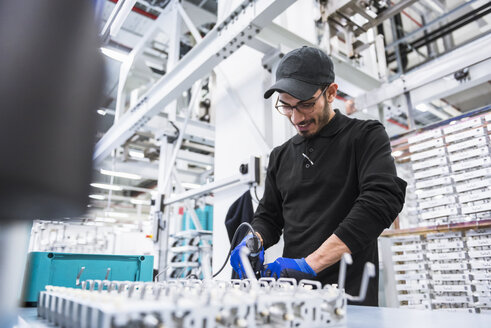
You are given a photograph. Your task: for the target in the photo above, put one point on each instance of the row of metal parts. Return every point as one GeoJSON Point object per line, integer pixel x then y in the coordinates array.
{"type": "Point", "coordinates": [195, 303]}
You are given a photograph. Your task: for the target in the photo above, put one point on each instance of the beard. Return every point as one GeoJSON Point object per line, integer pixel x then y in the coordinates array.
{"type": "Point", "coordinates": [321, 122]}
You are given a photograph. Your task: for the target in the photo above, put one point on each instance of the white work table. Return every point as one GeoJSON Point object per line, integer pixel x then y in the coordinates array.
{"type": "Point", "coordinates": [358, 317]}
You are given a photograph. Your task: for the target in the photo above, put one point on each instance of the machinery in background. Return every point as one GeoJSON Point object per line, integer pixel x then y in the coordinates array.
{"type": "Point", "coordinates": [202, 303]}
{"type": "Point", "coordinates": [68, 270]}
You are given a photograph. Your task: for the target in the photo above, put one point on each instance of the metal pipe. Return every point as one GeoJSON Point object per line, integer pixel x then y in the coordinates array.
{"type": "Point", "coordinates": [427, 26]}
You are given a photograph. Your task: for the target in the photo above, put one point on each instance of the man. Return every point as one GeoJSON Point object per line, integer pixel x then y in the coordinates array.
{"type": "Point", "coordinates": [332, 188]}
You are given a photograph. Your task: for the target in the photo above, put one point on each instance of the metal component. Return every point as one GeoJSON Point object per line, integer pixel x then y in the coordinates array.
{"type": "Point", "coordinates": [250, 177]}
{"type": "Point", "coordinates": [77, 282]}
{"type": "Point", "coordinates": [418, 80]}
{"type": "Point", "coordinates": [107, 273]}
{"type": "Point", "coordinates": [195, 303]}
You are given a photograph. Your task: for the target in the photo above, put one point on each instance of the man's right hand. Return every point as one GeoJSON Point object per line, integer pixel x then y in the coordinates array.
{"type": "Point", "coordinates": [236, 262]}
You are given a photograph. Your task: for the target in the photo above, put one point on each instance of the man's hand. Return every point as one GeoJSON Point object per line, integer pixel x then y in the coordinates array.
{"type": "Point", "coordinates": [289, 268]}
{"type": "Point", "coordinates": [236, 262]}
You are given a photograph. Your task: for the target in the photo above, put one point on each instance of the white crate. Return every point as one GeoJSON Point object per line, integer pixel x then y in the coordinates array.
{"type": "Point", "coordinates": [411, 276]}
{"type": "Point", "coordinates": [481, 276]}
{"type": "Point", "coordinates": [436, 202]}
{"type": "Point", "coordinates": [452, 299]}
{"type": "Point", "coordinates": [409, 266]}
{"type": "Point", "coordinates": [412, 297]}
{"type": "Point", "coordinates": [485, 194]}
{"type": "Point", "coordinates": [439, 161]}
{"type": "Point", "coordinates": [464, 135]}
{"type": "Point", "coordinates": [478, 152]}
{"type": "Point", "coordinates": [478, 232]}
{"type": "Point", "coordinates": [478, 242]}
{"type": "Point", "coordinates": [407, 247]}
{"type": "Point", "coordinates": [471, 163]}
{"type": "Point", "coordinates": [435, 182]}
{"type": "Point", "coordinates": [481, 141]}
{"type": "Point", "coordinates": [424, 136]}
{"type": "Point", "coordinates": [429, 153]}
{"type": "Point", "coordinates": [439, 213]}
{"type": "Point", "coordinates": [478, 254]}
{"type": "Point", "coordinates": [446, 256]}
{"type": "Point", "coordinates": [443, 235]}
{"type": "Point", "coordinates": [488, 118]}
{"type": "Point", "coordinates": [445, 245]}
{"type": "Point", "coordinates": [431, 172]}
{"type": "Point", "coordinates": [450, 277]}
{"type": "Point", "coordinates": [426, 145]}
{"type": "Point", "coordinates": [448, 266]}
{"type": "Point", "coordinates": [483, 300]}
{"type": "Point", "coordinates": [476, 208]}
{"type": "Point", "coordinates": [473, 185]}
{"type": "Point", "coordinates": [433, 192]}
{"type": "Point", "coordinates": [408, 257]}
{"type": "Point", "coordinates": [452, 288]}
{"type": "Point", "coordinates": [481, 287]}
{"type": "Point", "coordinates": [485, 172]}
{"type": "Point", "coordinates": [411, 287]}
{"type": "Point", "coordinates": [470, 123]}
{"type": "Point", "coordinates": [480, 264]}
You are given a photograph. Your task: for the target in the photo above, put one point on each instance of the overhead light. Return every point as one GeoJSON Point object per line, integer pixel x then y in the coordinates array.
{"type": "Point", "coordinates": [397, 153]}
{"type": "Point", "coordinates": [136, 153]}
{"type": "Point", "coordinates": [98, 197]}
{"type": "Point", "coordinates": [106, 186]}
{"type": "Point", "coordinates": [423, 107]}
{"type": "Point", "coordinates": [101, 112]}
{"type": "Point", "coordinates": [140, 202]}
{"type": "Point", "coordinates": [107, 220]}
{"type": "Point", "coordinates": [117, 214]}
{"type": "Point", "coordinates": [190, 185]}
{"type": "Point", "coordinates": [116, 55]}
{"type": "Point", "coordinates": [121, 174]}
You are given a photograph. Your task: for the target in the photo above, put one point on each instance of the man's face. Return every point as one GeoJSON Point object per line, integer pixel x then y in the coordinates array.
{"type": "Point", "coordinates": [309, 124]}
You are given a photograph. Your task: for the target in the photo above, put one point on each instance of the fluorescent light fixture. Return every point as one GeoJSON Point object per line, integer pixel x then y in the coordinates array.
{"type": "Point", "coordinates": [423, 107]}
{"type": "Point", "coordinates": [98, 197]}
{"type": "Point", "coordinates": [397, 153]}
{"type": "Point", "coordinates": [140, 201]}
{"type": "Point", "coordinates": [136, 153]}
{"type": "Point", "coordinates": [116, 55]}
{"type": "Point", "coordinates": [107, 220]}
{"type": "Point", "coordinates": [92, 223]}
{"type": "Point", "coordinates": [117, 214]}
{"type": "Point", "coordinates": [121, 174]}
{"type": "Point", "coordinates": [106, 186]}
{"type": "Point", "coordinates": [190, 185]}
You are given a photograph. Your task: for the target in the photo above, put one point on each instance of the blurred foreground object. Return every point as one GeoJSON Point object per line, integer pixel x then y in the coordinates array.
{"type": "Point", "coordinates": [50, 84]}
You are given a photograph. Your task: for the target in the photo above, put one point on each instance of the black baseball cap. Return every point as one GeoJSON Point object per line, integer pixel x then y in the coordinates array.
{"type": "Point", "coordinates": [301, 72]}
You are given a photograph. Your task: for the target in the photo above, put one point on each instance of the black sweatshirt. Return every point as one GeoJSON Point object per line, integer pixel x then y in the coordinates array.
{"type": "Point", "coordinates": [351, 190]}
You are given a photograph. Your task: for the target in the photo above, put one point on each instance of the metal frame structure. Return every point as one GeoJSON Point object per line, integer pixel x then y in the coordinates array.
{"type": "Point", "coordinates": [234, 31]}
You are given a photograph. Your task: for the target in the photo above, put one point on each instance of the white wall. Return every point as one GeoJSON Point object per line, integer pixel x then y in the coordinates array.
{"type": "Point", "coordinates": [246, 124]}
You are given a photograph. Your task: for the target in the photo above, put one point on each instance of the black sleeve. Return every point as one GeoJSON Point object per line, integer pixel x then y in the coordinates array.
{"type": "Point", "coordinates": [381, 195]}
{"type": "Point", "coordinates": [268, 219]}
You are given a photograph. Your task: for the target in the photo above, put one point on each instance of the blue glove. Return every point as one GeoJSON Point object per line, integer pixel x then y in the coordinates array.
{"type": "Point", "coordinates": [236, 262]}
{"type": "Point", "coordinates": [289, 268]}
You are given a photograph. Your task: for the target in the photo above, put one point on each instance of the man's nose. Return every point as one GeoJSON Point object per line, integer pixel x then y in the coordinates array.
{"type": "Point", "coordinates": [297, 116]}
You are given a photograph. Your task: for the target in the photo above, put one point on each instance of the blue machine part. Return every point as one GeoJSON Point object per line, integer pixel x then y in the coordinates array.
{"type": "Point", "coordinates": [205, 217]}
{"type": "Point", "coordinates": [62, 269]}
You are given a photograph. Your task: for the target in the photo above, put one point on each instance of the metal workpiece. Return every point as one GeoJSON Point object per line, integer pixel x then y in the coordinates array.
{"type": "Point", "coordinates": [199, 303]}
{"type": "Point", "coordinates": [196, 303]}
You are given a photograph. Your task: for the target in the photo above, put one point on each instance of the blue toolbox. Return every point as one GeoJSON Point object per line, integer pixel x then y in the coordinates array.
{"type": "Point", "coordinates": [68, 270]}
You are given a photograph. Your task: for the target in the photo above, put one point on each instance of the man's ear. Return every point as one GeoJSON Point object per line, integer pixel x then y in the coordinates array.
{"type": "Point", "coordinates": [331, 92]}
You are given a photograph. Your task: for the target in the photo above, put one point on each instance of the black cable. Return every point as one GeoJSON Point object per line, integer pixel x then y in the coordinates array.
{"type": "Point", "coordinates": [243, 224]}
